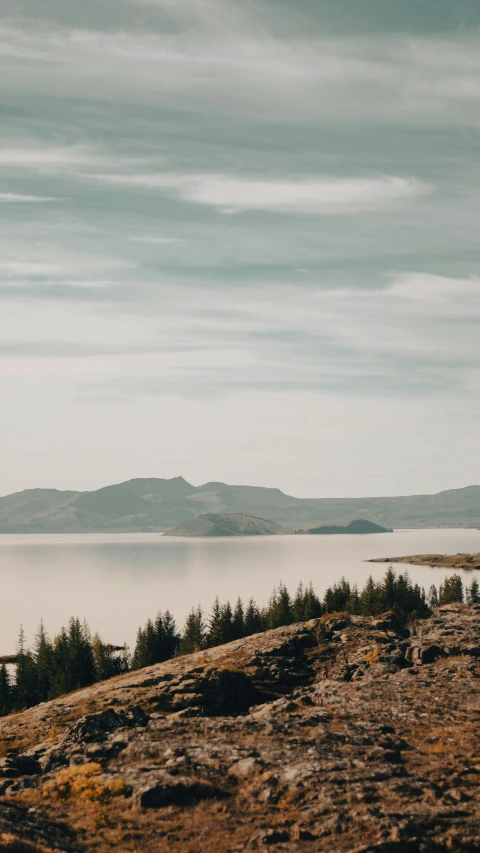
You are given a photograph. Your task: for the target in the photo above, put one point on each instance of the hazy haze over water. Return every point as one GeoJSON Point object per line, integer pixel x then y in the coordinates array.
{"type": "Point", "coordinates": [117, 581]}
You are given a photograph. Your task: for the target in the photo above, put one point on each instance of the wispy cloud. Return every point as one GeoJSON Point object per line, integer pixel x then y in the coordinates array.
{"type": "Point", "coordinates": [425, 287]}
{"type": "Point", "coordinates": [310, 195]}
{"type": "Point", "coordinates": [236, 58]}
{"type": "Point", "coordinates": [61, 270]}
{"type": "Point", "coordinates": [22, 198]}
{"type": "Point", "coordinates": [162, 241]}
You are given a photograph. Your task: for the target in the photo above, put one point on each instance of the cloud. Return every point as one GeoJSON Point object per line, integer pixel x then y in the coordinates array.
{"type": "Point", "coordinates": [19, 198]}
{"type": "Point", "coordinates": [38, 156]}
{"type": "Point", "coordinates": [238, 60]}
{"type": "Point", "coordinates": [425, 287]}
{"type": "Point", "coordinates": [54, 269]}
{"type": "Point", "coordinates": [163, 241]}
{"type": "Point", "coordinates": [310, 195]}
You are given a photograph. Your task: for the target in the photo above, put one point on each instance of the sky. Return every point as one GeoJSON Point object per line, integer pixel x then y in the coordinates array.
{"type": "Point", "coordinates": [239, 242]}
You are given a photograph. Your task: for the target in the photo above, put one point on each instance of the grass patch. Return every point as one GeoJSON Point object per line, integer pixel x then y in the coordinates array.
{"type": "Point", "coordinates": [373, 656]}
{"type": "Point", "coordinates": [84, 782]}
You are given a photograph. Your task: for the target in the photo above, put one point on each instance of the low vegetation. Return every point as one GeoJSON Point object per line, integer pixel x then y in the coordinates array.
{"type": "Point", "coordinates": [75, 659]}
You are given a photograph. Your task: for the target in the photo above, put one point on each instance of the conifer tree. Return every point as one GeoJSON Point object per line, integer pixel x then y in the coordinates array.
{"type": "Point", "coordinates": [388, 592]}
{"type": "Point", "coordinates": [226, 623]}
{"type": "Point", "coordinates": [284, 610]}
{"type": "Point", "coordinates": [140, 652]}
{"type": "Point", "coordinates": [433, 597]}
{"type": "Point", "coordinates": [369, 598]}
{"type": "Point", "coordinates": [44, 660]}
{"type": "Point", "coordinates": [5, 691]}
{"type": "Point", "coordinates": [451, 590]}
{"type": "Point", "coordinates": [194, 634]}
{"type": "Point", "coordinates": [80, 662]}
{"type": "Point", "coordinates": [171, 637]}
{"type": "Point", "coordinates": [299, 604]}
{"type": "Point", "coordinates": [60, 680]}
{"type": "Point", "coordinates": [354, 605]}
{"type": "Point", "coordinates": [474, 592]}
{"type": "Point", "coordinates": [253, 619]}
{"type": "Point", "coordinates": [106, 664]}
{"type": "Point", "coordinates": [26, 675]}
{"type": "Point", "coordinates": [214, 636]}
{"type": "Point", "coordinates": [238, 622]}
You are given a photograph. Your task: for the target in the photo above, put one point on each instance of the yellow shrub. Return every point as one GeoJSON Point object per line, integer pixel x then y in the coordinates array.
{"type": "Point", "coordinates": [373, 656]}
{"type": "Point", "coordinates": [84, 782]}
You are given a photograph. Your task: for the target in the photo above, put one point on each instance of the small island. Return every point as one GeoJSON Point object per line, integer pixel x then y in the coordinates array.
{"type": "Point", "coordinates": [225, 524]}
{"type": "Point", "coordinates": [360, 526]}
{"type": "Point", "coordinates": [435, 561]}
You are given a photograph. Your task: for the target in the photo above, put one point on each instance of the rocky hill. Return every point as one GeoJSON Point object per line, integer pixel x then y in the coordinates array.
{"type": "Point", "coordinates": [157, 504]}
{"type": "Point", "coordinates": [226, 524]}
{"type": "Point", "coordinates": [340, 734]}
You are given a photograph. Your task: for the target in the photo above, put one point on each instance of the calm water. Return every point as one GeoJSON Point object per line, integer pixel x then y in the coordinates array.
{"type": "Point", "coordinates": [117, 581]}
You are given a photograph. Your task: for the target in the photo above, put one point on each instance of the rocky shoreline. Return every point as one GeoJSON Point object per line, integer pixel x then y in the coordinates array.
{"type": "Point", "coordinates": [468, 562]}
{"type": "Point", "coordinates": [345, 733]}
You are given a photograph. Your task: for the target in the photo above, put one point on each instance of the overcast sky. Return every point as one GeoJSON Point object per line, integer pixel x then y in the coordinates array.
{"type": "Point", "coordinates": [240, 241]}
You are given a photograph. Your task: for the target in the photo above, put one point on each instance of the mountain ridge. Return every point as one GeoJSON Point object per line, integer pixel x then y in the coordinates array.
{"type": "Point", "coordinates": [158, 504]}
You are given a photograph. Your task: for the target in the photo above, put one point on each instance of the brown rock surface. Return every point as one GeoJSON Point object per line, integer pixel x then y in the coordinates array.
{"type": "Point", "coordinates": [340, 734]}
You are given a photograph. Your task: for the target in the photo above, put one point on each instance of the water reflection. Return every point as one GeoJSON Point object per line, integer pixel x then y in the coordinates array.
{"type": "Point", "coordinates": [116, 581]}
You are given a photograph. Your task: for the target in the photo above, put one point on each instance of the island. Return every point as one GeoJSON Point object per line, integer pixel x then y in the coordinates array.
{"type": "Point", "coordinates": [360, 526]}
{"type": "Point", "coordinates": [435, 561]}
{"type": "Point", "coordinates": [225, 524]}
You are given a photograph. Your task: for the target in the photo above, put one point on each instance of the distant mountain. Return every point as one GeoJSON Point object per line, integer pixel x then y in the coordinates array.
{"type": "Point", "coordinates": [355, 527]}
{"type": "Point", "coordinates": [156, 504]}
{"type": "Point", "coordinates": [226, 524]}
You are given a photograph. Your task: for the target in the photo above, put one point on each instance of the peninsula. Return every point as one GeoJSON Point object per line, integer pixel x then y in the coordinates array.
{"type": "Point", "coordinates": [436, 561]}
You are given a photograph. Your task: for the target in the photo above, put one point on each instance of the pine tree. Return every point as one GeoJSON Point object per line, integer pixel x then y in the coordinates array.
{"type": "Point", "coordinates": [388, 592]}
{"type": "Point", "coordinates": [226, 623]}
{"type": "Point", "coordinates": [284, 613]}
{"type": "Point", "coordinates": [354, 603]}
{"type": "Point", "coordinates": [433, 597]}
{"type": "Point", "coordinates": [80, 669]}
{"type": "Point", "coordinates": [59, 682]}
{"type": "Point", "coordinates": [451, 590]}
{"type": "Point", "coordinates": [369, 598]}
{"type": "Point", "coordinates": [150, 644]}
{"type": "Point", "coordinates": [474, 592]}
{"type": "Point", "coordinates": [106, 664]}
{"type": "Point", "coordinates": [253, 619]}
{"type": "Point", "coordinates": [171, 637]}
{"type": "Point", "coordinates": [194, 634]}
{"type": "Point", "coordinates": [140, 652]}
{"type": "Point", "coordinates": [5, 691]}
{"type": "Point", "coordinates": [312, 607]}
{"type": "Point", "coordinates": [280, 610]}
{"type": "Point", "coordinates": [43, 659]}
{"type": "Point", "coordinates": [214, 636]}
{"type": "Point", "coordinates": [299, 604]}
{"type": "Point", "coordinates": [26, 675]}
{"type": "Point", "coordinates": [337, 598]}
{"type": "Point", "coordinates": [238, 622]}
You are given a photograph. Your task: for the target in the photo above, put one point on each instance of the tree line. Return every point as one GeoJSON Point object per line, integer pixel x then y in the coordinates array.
{"type": "Point", "coordinates": [75, 659]}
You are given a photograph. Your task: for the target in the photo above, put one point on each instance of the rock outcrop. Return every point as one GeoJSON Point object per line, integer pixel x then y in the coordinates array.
{"type": "Point", "coordinates": [341, 734]}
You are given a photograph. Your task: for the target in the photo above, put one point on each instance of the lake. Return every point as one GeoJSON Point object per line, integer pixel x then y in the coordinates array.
{"type": "Point", "coordinates": [116, 581]}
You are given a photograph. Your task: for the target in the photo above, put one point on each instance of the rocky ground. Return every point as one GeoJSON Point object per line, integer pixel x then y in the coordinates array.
{"type": "Point", "coordinates": [340, 734]}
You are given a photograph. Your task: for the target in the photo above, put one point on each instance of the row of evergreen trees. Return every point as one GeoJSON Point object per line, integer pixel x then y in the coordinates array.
{"type": "Point", "coordinates": [75, 659]}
